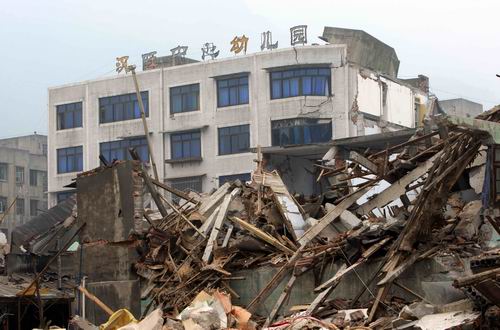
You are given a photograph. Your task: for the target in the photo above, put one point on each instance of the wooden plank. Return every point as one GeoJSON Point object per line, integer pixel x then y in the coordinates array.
{"type": "Point", "coordinates": [312, 232]}
{"type": "Point", "coordinates": [284, 295]}
{"type": "Point", "coordinates": [274, 282]}
{"type": "Point", "coordinates": [396, 189]}
{"type": "Point", "coordinates": [320, 298]}
{"type": "Point", "coordinates": [213, 200]}
{"type": "Point", "coordinates": [365, 162]}
{"type": "Point", "coordinates": [96, 300]}
{"type": "Point", "coordinates": [256, 232]}
{"type": "Point", "coordinates": [221, 216]}
{"type": "Point", "coordinates": [368, 253]}
{"type": "Point", "coordinates": [230, 229]}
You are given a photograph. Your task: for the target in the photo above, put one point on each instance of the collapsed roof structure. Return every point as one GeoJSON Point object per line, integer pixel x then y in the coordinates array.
{"type": "Point", "coordinates": [406, 236]}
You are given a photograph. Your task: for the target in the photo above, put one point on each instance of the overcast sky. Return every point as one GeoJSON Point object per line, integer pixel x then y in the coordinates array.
{"type": "Point", "coordinates": [52, 42]}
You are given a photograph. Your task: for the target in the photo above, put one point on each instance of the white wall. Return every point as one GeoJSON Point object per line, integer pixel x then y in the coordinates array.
{"type": "Point", "coordinates": [259, 113]}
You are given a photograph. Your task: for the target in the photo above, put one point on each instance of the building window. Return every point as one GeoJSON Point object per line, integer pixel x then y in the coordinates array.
{"type": "Point", "coordinates": [186, 184]}
{"type": "Point", "coordinates": [19, 174]}
{"type": "Point", "coordinates": [186, 145]}
{"type": "Point", "coordinates": [70, 159]}
{"type": "Point", "coordinates": [122, 107]}
{"type": "Point", "coordinates": [63, 195]}
{"type": "Point", "coordinates": [185, 98]}
{"type": "Point", "coordinates": [20, 206]}
{"type": "Point", "coordinates": [3, 204]}
{"type": "Point", "coordinates": [232, 91]}
{"type": "Point", "coordinates": [298, 82]}
{"type": "Point", "coordinates": [33, 207]}
{"type": "Point", "coordinates": [33, 178]}
{"type": "Point", "coordinates": [44, 149]}
{"type": "Point", "coordinates": [4, 174]}
{"type": "Point", "coordinates": [119, 149]}
{"type": "Point", "coordinates": [69, 115]}
{"type": "Point", "coordinates": [45, 184]}
{"type": "Point", "coordinates": [243, 177]}
{"type": "Point", "coordinates": [234, 139]}
{"type": "Point", "coordinates": [300, 131]}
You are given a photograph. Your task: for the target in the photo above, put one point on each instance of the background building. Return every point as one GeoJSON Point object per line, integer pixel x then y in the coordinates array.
{"type": "Point", "coordinates": [461, 107]}
{"type": "Point", "coordinates": [23, 179]}
{"type": "Point", "coordinates": [205, 117]}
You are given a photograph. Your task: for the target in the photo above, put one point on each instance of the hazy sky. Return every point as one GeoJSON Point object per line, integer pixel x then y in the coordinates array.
{"type": "Point", "coordinates": [52, 42]}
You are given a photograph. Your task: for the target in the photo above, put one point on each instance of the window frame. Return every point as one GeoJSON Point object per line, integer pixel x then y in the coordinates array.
{"type": "Point", "coordinates": [77, 151]}
{"type": "Point", "coordinates": [3, 204]}
{"type": "Point", "coordinates": [22, 179]}
{"type": "Point", "coordinates": [119, 107]}
{"type": "Point", "coordinates": [301, 128]}
{"type": "Point", "coordinates": [35, 201]}
{"type": "Point", "coordinates": [183, 98]}
{"type": "Point", "coordinates": [6, 167]}
{"type": "Point", "coordinates": [195, 180]}
{"type": "Point", "coordinates": [186, 155]}
{"type": "Point", "coordinates": [123, 145]}
{"type": "Point", "coordinates": [64, 111]}
{"type": "Point", "coordinates": [231, 137]}
{"type": "Point", "coordinates": [33, 178]}
{"type": "Point", "coordinates": [61, 196]}
{"type": "Point", "coordinates": [20, 205]}
{"type": "Point", "coordinates": [235, 87]}
{"type": "Point", "coordinates": [296, 74]}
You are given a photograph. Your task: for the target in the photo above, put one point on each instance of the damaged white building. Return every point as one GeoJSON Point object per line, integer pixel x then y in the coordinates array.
{"type": "Point", "coordinates": [206, 117]}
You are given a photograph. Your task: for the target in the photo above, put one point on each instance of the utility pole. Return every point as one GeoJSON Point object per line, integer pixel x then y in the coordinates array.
{"type": "Point", "coordinates": [121, 64]}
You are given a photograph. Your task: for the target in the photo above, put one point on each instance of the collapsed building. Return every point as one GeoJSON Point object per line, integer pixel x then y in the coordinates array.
{"type": "Point", "coordinates": [401, 231]}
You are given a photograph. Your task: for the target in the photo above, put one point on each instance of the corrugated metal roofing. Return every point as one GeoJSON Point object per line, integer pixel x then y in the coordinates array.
{"type": "Point", "coordinates": [41, 224]}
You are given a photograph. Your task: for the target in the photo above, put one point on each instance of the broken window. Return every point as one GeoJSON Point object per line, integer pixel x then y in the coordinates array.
{"type": "Point", "coordinates": [185, 98]}
{"type": "Point", "coordinates": [233, 177]}
{"type": "Point", "coordinates": [300, 131]}
{"type": "Point", "coordinates": [70, 159]}
{"type": "Point", "coordinates": [20, 206]}
{"type": "Point", "coordinates": [122, 107]}
{"type": "Point", "coordinates": [69, 115]}
{"type": "Point", "coordinates": [232, 91]}
{"type": "Point", "coordinates": [186, 145]}
{"type": "Point", "coordinates": [299, 82]}
{"type": "Point", "coordinates": [4, 174]}
{"type": "Point", "coordinates": [3, 204]}
{"type": "Point", "coordinates": [234, 139]}
{"type": "Point", "coordinates": [19, 174]}
{"type": "Point", "coordinates": [119, 149]}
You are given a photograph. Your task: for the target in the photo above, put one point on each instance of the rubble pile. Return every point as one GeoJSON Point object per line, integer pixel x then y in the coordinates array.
{"type": "Point", "coordinates": [433, 206]}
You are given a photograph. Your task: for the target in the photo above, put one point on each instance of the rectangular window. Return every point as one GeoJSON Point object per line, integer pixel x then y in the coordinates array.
{"type": "Point", "coordinates": [122, 107]}
{"type": "Point", "coordinates": [19, 174]}
{"type": "Point", "coordinates": [232, 91]}
{"type": "Point", "coordinates": [186, 184]}
{"type": "Point", "coordinates": [3, 204]}
{"type": "Point", "coordinates": [33, 207]}
{"type": "Point", "coordinates": [185, 98]}
{"type": "Point", "coordinates": [70, 159]}
{"type": "Point", "coordinates": [63, 195]}
{"type": "Point", "coordinates": [186, 145]}
{"type": "Point", "coordinates": [300, 131]}
{"type": "Point", "coordinates": [243, 177]}
{"type": "Point", "coordinates": [33, 178]}
{"type": "Point", "coordinates": [69, 115]}
{"type": "Point", "coordinates": [119, 149]}
{"type": "Point", "coordinates": [4, 174]}
{"type": "Point", "coordinates": [300, 81]}
{"type": "Point", "coordinates": [234, 139]}
{"type": "Point", "coordinates": [20, 206]}
{"type": "Point", "coordinates": [44, 180]}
